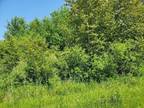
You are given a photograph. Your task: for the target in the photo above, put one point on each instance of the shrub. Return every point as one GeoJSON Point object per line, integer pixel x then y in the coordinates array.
{"type": "Point", "coordinates": [73, 64]}
{"type": "Point", "coordinates": [127, 57]}
{"type": "Point", "coordinates": [8, 56]}
{"type": "Point", "coordinates": [26, 59]}
{"type": "Point", "coordinates": [102, 67]}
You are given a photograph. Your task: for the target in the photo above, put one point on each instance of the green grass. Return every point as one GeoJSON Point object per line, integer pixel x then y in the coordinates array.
{"type": "Point", "coordinates": [125, 92]}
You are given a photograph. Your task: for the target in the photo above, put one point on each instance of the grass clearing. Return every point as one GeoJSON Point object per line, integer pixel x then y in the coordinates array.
{"type": "Point", "coordinates": [121, 93]}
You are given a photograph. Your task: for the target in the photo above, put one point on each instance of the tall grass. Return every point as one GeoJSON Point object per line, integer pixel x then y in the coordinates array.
{"type": "Point", "coordinates": [126, 92]}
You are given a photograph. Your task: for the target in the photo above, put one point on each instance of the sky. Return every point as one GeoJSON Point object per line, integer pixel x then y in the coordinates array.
{"type": "Point", "coordinates": [29, 9]}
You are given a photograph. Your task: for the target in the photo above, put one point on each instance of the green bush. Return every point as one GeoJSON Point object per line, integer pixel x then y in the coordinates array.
{"type": "Point", "coordinates": [8, 56]}
{"type": "Point", "coordinates": [26, 59]}
{"type": "Point", "coordinates": [73, 64]}
{"type": "Point", "coordinates": [102, 67]}
{"type": "Point", "coordinates": [127, 57]}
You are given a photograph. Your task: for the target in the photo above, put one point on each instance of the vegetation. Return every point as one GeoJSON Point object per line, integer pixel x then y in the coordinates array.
{"type": "Point", "coordinates": [121, 93]}
{"type": "Point", "coordinates": [90, 49]}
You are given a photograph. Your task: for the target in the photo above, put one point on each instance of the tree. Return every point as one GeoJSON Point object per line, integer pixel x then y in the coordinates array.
{"type": "Point", "coordinates": [61, 27]}
{"type": "Point", "coordinates": [16, 27]}
{"type": "Point", "coordinates": [99, 22]}
{"type": "Point", "coordinates": [129, 19]}
{"type": "Point", "coordinates": [58, 29]}
{"type": "Point", "coordinates": [36, 27]}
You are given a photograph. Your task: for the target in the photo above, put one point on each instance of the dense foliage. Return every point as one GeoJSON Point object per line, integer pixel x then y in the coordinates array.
{"type": "Point", "coordinates": [86, 40]}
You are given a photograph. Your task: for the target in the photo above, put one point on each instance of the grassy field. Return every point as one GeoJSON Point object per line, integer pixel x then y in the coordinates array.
{"type": "Point", "coordinates": [125, 92]}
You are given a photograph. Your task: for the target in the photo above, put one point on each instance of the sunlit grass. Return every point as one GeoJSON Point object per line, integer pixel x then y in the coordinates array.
{"type": "Point", "coordinates": [120, 93]}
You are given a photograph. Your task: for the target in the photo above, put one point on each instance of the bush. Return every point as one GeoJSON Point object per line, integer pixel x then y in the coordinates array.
{"type": "Point", "coordinates": [73, 64]}
{"type": "Point", "coordinates": [102, 67]}
{"type": "Point", "coordinates": [127, 57]}
{"type": "Point", "coordinates": [26, 59]}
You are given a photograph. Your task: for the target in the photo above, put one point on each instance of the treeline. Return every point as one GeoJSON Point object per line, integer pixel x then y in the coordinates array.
{"type": "Point", "coordinates": [85, 40]}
